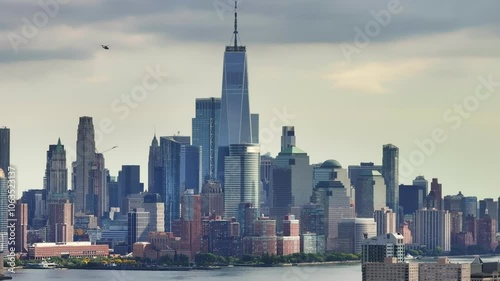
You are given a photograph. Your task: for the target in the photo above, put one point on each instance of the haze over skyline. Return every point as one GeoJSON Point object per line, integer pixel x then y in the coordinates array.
{"type": "Point", "coordinates": [400, 88]}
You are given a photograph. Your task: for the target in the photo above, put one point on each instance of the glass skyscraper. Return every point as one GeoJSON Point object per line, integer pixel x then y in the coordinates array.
{"type": "Point", "coordinates": [191, 160]}
{"type": "Point", "coordinates": [235, 120]}
{"type": "Point", "coordinates": [170, 148]}
{"type": "Point", "coordinates": [205, 128]}
{"type": "Point", "coordinates": [242, 180]}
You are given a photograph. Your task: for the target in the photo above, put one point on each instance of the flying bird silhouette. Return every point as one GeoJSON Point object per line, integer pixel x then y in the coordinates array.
{"type": "Point", "coordinates": [105, 47]}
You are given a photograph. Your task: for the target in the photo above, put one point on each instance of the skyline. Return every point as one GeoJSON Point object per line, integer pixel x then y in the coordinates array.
{"type": "Point", "coordinates": [359, 139]}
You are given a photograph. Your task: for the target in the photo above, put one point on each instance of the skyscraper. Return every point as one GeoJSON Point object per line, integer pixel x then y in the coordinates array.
{"type": "Point", "coordinates": [56, 172]}
{"type": "Point", "coordinates": [411, 198]}
{"type": "Point", "coordinates": [212, 199]}
{"type": "Point", "coordinates": [21, 227]}
{"type": "Point", "coordinates": [191, 223]}
{"type": "Point", "coordinates": [355, 170]}
{"type": "Point", "coordinates": [386, 221]}
{"type": "Point", "coordinates": [291, 178]}
{"type": "Point", "coordinates": [437, 193]}
{"type": "Point", "coordinates": [421, 181]}
{"type": "Point", "coordinates": [85, 156]}
{"type": "Point", "coordinates": [242, 180]}
{"type": "Point", "coordinates": [153, 163]}
{"type": "Point", "coordinates": [153, 204]}
{"type": "Point", "coordinates": [486, 229]}
{"type": "Point", "coordinates": [390, 172]}
{"type": "Point", "coordinates": [491, 206]}
{"type": "Point", "coordinates": [98, 196]}
{"type": "Point", "coordinates": [352, 233]}
{"type": "Point", "coordinates": [266, 170]}
{"type": "Point", "coordinates": [191, 168]}
{"type": "Point", "coordinates": [37, 207]}
{"type": "Point", "coordinates": [254, 118]}
{"type": "Point", "coordinates": [469, 206]}
{"type": "Point", "coordinates": [433, 229]}
{"type": "Point", "coordinates": [129, 180]}
{"type": "Point", "coordinates": [287, 136]}
{"type": "Point", "coordinates": [332, 190]}
{"type": "Point", "coordinates": [61, 221]}
{"type": "Point", "coordinates": [205, 130]}
{"type": "Point", "coordinates": [370, 193]}
{"type": "Point", "coordinates": [5, 149]}
{"type": "Point", "coordinates": [113, 191]}
{"type": "Point", "coordinates": [138, 226]}
{"type": "Point", "coordinates": [235, 120]}
{"type": "Point", "coordinates": [170, 148]}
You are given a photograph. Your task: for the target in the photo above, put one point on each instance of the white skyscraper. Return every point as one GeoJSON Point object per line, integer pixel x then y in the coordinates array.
{"type": "Point", "coordinates": [242, 179]}
{"type": "Point", "coordinates": [433, 229]}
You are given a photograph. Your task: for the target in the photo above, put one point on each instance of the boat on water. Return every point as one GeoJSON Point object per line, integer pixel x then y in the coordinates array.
{"type": "Point", "coordinates": [43, 265]}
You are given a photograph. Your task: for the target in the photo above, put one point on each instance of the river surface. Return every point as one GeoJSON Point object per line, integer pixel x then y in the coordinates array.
{"type": "Point", "coordinates": [334, 272]}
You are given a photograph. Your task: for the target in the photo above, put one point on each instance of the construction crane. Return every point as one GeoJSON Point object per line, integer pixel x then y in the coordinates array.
{"type": "Point", "coordinates": [96, 151]}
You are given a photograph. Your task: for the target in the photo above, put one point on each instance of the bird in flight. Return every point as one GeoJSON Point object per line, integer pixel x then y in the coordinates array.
{"type": "Point", "coordinates": [105, 47]}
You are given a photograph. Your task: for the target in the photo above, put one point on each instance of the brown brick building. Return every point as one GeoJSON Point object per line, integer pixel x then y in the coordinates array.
{"type": "Point", "coordinates": [69, 249]}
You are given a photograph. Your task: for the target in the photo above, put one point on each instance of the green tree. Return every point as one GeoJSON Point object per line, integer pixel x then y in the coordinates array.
{"type": "Point", "coordinates": [206, 259]}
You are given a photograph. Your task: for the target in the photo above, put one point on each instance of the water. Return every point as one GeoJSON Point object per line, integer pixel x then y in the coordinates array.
{"type": "Point", "coordinates": [340, 272]}
{"type": "Point", "coordinates": [296, 273]}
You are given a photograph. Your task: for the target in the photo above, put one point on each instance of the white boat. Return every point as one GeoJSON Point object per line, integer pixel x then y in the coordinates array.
{"type": "Point", "coordinates": [43, 265]}
{"type": "Point", "coordinates": [409, 257]}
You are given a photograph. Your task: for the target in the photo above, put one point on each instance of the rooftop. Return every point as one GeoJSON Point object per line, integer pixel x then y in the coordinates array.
{"type": "Point", "coordinates": [292, 150]}
{"type": "Point", "coordinates": [331, 164]}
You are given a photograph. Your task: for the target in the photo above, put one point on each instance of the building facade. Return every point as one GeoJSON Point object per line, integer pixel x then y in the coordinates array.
{"type": "Point", "coordinates": [433, 229]}
{"type": "Point", "coordinates": [61, 221]}
{"type": "Point", "coordinates": [5, 149]}
{"type": "Point", "coordinates": [39, 251]}
{"type": "Point", "coordinates": [376, 249]}
{"type": "Point", "coordinates": [386, 221]}
{"type": "Point", "coordinates": [242, 182]}
{"type": "Point", "coordinates": [390, 270]}
{"type": "Point", "coordinates": [85, 157]}
{"type": "Point", "coordinates": [138, 226]}
{"type": "Point", "coordinates": [205, 132]}
{"type": "Point", "coordinates": [370, 193]}
{"type": "Point", "coordinates": [352, 233]}
{"type": "Point", "coordinates": [390, 172]}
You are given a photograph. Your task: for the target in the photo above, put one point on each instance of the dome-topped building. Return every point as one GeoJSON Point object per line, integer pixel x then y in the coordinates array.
{"type": "Point", "coordinates": [331, 164]}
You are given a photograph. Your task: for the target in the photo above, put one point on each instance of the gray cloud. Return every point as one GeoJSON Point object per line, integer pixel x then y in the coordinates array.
{"type": "Point", "coordinates": [279, 21]}
{"type": "Point", "coordinates": [261, 22]}
{"type": "Point", "coordinates": [7, 56]}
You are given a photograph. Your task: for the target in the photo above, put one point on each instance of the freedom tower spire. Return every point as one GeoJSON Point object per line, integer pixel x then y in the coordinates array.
{"type": "Point", "coordinates": [239, 153]}
{"type": "Point", "coordinates": [235, 24]}
{"type": "Point", "coordinates": [235, 120]}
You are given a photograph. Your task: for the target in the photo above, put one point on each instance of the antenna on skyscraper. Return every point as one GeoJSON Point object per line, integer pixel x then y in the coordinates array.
{"type": "Point", "coordinates": [235, 24]}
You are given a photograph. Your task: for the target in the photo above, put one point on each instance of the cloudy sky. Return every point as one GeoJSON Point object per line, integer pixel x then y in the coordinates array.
{"type": "Point", "coordinates": [350, 75]}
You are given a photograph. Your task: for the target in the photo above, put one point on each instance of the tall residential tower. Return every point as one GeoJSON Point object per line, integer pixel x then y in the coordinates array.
{"type": "Point", "coordinates": [390, 172]}
{"type": "Point", "coordinates": [5, 149]}
{"type": "Point", "coordinates": [205, 127]}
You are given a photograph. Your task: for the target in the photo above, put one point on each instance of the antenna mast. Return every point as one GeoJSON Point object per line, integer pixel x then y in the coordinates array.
{"type": "Point", "coordinates": [235, 24]}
